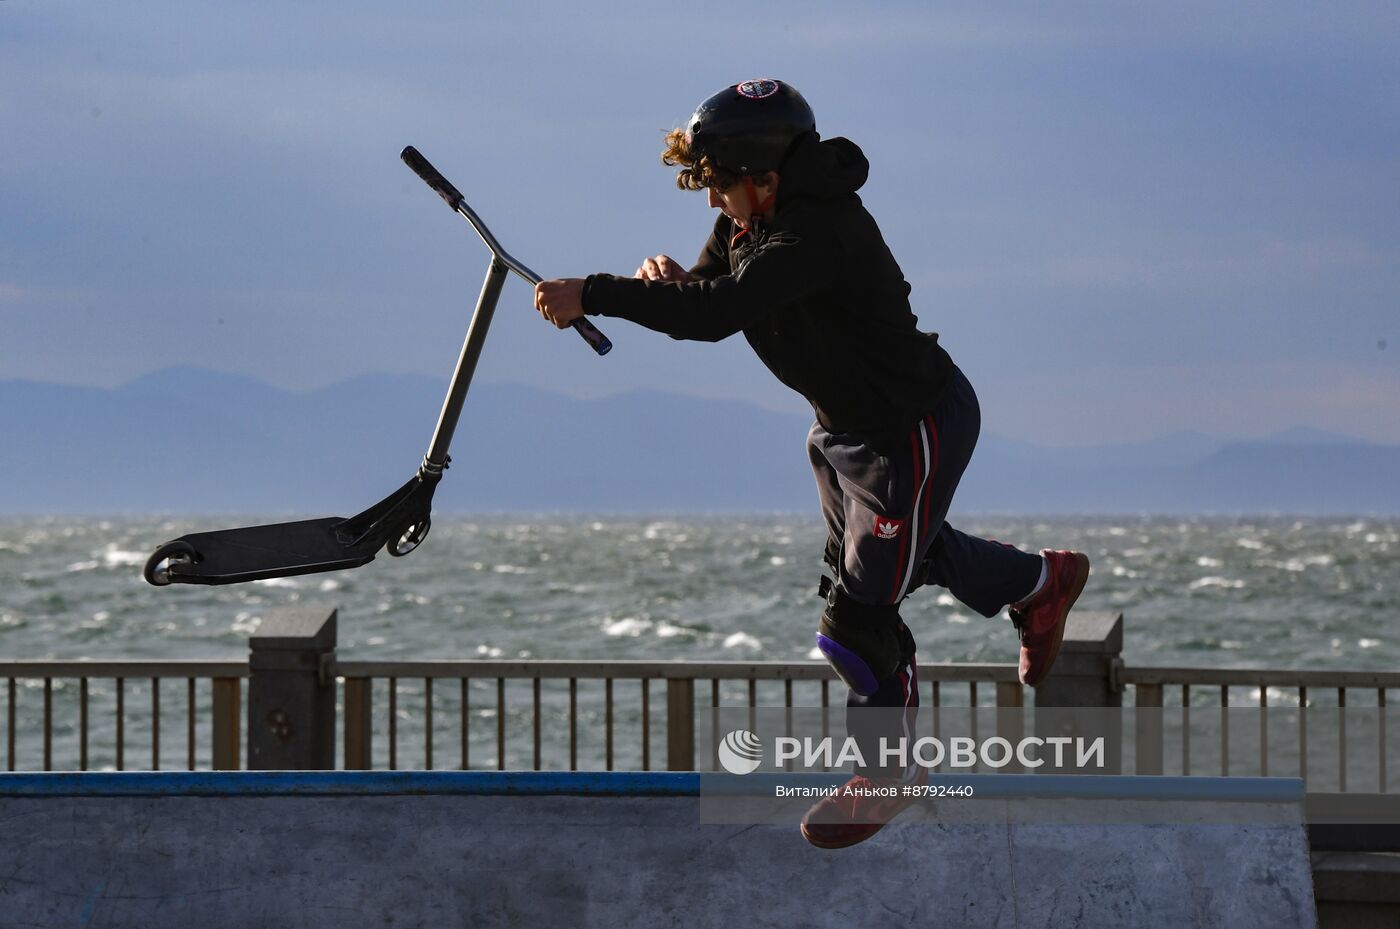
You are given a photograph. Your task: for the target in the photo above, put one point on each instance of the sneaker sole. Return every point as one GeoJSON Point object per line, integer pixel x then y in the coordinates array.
{"type": "Point", "coordinates": [1076, 587]}
{"type": "Point", "coordinates": [820, 844]}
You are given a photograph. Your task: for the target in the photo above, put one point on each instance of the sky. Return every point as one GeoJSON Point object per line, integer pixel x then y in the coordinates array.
{"type": "Point", "coordinates": [1123, 220]}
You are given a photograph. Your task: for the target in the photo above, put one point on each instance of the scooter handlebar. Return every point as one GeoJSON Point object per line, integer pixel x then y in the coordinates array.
{"type": "Point", "coordinates": [453, 198]}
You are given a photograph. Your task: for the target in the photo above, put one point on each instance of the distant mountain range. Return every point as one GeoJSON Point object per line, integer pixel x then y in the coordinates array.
{"type": "Point", "coordinates": [186, 440]}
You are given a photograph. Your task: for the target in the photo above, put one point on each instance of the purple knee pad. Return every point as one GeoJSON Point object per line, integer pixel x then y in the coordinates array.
{"type": "Point", "coordinates": [860, 641]}
{"type": "Point", "coordinates": [850, 667]}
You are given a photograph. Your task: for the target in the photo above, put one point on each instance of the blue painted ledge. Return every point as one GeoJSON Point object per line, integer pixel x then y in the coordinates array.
{"type": "Point", "coordinates": [345, 783]}
{"type": "Point", "coordinates": [617, 783]}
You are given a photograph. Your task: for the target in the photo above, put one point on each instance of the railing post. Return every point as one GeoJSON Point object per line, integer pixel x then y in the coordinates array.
{"type": "Point", "coordinates": [225, 737]}
{"type": "Point", "coordinates": [1148, 731]}
{"type": "Point", "coordinates": [680, 724]}
{"type": "Point", "coordinates": [359, 717]}
{"type": "Point", "coordinates": [291, 691]}
{"type": "Point", "coordinates": [1085, 677]}
{"type": "Point", "coordinates": [1011, 724]}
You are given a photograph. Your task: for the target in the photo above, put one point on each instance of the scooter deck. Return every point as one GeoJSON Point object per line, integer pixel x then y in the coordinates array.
{"type": "Point", "coordinates": [252, 553]}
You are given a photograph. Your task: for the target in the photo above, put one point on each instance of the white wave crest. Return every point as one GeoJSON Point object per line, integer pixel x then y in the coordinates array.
{"type": "Point", "coordinates": [742, 640]}
{"type": "Point", "coordinates": [628, 626]}
{"type": "Point", "coordinates": [1221, 582]}
{"type": "Point", "coordinates": [117, 558]}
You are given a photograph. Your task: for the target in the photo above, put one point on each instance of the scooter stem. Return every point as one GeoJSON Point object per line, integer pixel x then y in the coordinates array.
{"type": "Point", "coordinates": [436, 460]}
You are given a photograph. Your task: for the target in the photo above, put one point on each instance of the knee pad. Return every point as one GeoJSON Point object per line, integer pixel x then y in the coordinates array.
{"type": "Point", "coordinates": [861, 642]}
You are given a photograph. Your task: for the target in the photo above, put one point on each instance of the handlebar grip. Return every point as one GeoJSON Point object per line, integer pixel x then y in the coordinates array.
{"type": "Point", "coordinates": [424, 169]}
{"type": "Point", "coordinates": [600, 343]}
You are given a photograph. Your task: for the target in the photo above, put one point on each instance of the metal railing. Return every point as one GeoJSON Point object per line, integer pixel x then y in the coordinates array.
{"type": "Point", "coordinates": [569, 701]}
{"type": "Point", "coordinates": [683, 683]}
{"type": "Point", "coordinates": [224, 717]}
{"type": "Point", "coordinates": [1152, 687]}
{"type": "Point", "coordinates": [583, 714]}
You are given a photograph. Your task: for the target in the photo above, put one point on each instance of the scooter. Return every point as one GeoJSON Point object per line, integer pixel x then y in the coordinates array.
{"type": "Point", "coordinates": [400, 522]}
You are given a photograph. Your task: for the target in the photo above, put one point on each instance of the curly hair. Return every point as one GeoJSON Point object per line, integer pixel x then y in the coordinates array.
{"type": "Point", "coordinates": [695, 174]}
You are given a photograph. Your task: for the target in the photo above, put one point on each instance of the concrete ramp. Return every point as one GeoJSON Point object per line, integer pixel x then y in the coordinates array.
{"type": "Point", "coordinates": [471, 849]}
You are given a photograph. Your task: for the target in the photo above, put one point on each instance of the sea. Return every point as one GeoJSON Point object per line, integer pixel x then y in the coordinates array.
{"type": "Point", "coordinates": [1275, 592]}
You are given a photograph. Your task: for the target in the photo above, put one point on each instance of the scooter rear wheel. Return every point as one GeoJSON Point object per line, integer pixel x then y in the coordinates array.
{"type": "Point", "coordinates": [157, 570]}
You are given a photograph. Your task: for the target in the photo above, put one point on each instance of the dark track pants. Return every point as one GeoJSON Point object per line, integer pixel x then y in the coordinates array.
{"type": "Point", "coordinates": [890, 514]}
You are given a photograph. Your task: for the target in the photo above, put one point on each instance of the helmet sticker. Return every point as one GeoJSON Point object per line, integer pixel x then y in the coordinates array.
{"type": "Point", "coordinates": [757, 90]}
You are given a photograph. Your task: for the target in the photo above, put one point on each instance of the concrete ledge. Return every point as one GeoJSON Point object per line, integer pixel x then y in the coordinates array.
{"type": "Point", "coordinates": [412, 848]}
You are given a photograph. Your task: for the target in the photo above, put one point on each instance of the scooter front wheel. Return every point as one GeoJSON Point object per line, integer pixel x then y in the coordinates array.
{"type": "Point", "coordinates": [157, 570]}
{"type": "Point", "coordinates": [409, 537]}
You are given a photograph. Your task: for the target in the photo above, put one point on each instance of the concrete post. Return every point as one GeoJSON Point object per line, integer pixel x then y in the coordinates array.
{"type": "Point", "coordinates": [1086, 676]}
{"type": "Point", "coordinates": [291, 691]}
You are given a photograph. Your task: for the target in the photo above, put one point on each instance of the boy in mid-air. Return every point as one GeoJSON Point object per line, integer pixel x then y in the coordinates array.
{"type": "Point", "coordinates": [797, 264]}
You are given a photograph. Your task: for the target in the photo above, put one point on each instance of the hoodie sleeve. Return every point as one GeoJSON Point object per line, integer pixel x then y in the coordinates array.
{"type": "Point", "coordinates": [714, 257]}
{"type": "Point", "coordinates": [782, 269]}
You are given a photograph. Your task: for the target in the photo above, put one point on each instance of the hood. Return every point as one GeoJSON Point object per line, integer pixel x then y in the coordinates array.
{"type": "Point", "coordinates": [830, 169]}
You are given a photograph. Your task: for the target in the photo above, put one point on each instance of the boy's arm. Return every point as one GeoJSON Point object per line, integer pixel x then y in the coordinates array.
{"type": "Point", "coordinates": [714, 257]}
{"type": "Point", "coordinates": [784, 269]}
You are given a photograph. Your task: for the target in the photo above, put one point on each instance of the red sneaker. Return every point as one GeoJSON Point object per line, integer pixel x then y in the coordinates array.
{"type": "Point", "coordinates": [1041, 621]}
{"type": "Point", "coordinates": [859, 809]}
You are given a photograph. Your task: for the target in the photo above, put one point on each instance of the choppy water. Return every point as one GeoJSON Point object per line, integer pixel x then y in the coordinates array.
{"type": "Point", "coordinates": [1286, 593]}
{"type": "Point", "coordinates": [1316, 593]}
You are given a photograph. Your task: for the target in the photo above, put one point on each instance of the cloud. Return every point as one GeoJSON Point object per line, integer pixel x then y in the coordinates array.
{"type": "Point", "coordinates": [1195, 183]}
{"type": "Point", "coordinates": [1140, 401]}
{"type": "Point", "coordinates": [929, 29]}
{"type": "Point", "coordinates": [1271, 261]}
{"type": "Point", "coordinates": [38, 299]}
{"type": "Point", "coordinates": [1243, 28]}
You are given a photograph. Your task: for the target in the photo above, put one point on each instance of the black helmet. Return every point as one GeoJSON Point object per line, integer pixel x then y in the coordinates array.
{"type": "Point", "coordinates": [748, 128]}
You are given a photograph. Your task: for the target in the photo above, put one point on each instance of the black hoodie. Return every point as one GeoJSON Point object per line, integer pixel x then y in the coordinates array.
{"type": "Point", "coordinates": [817, 294]}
